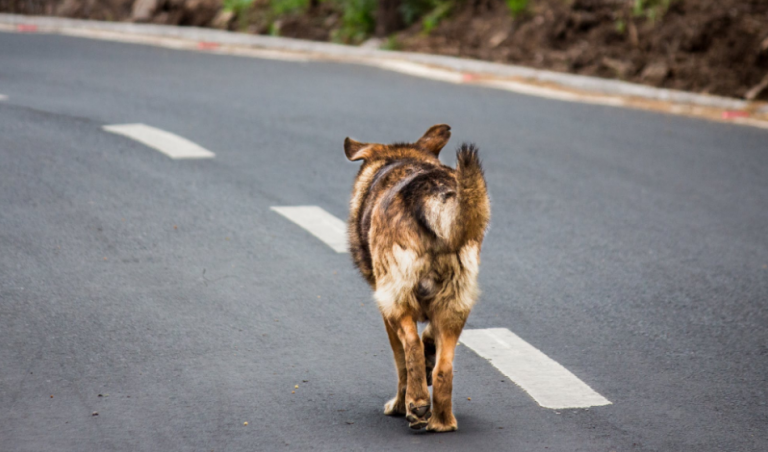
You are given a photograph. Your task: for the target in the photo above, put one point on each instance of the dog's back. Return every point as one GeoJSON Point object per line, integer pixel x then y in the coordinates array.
{"type": "Point", "coordinates": [412, 218]}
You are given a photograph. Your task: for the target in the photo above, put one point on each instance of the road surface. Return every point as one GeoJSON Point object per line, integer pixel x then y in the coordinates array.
{"type": "Point", "coordinates": [166, 295]}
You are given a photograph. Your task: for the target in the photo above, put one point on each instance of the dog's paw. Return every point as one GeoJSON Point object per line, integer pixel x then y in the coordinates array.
{"type": "Point", "coordinates": [418, 416]}
{"type": "Point", "coordinates": [437, 426]}
{"type": "Point", "coordinates": [394, 407]}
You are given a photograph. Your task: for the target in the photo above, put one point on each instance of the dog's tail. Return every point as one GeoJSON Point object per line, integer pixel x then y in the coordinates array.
{"type": "Point", "coordinates": [474, 205]}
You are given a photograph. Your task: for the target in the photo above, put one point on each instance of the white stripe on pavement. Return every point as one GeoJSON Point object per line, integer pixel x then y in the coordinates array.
{"type": "Point", "coordinates": [419, 70]}
{"type": "Point", "coordinates": [319, 223]}
{"type": "Point", "coordinates": [3, 97]}
{"type": "Point", "coordinates": [168, 143]}
{"type": "Point", "coordinates": [549, 383]}
{"type": "Point", "coordinates": [751, 122]}
{"type": "Point", "coordinates": [549, 93]}
{"type": "Point", "coordinates": [423, 71]}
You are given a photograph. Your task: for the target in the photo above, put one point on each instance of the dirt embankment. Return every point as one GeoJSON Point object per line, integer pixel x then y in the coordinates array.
{"type": "Point", "coordinates": [171, 12]}
{"type": "Point", "coordinates": [707, 46]}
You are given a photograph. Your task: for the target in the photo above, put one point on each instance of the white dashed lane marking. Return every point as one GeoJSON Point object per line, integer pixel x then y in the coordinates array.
{"type": "Point", "coordinates": [549, 383]}
{"type": "Point", "coordinates": [319, 223]}
{"type": "Point", "coordinates": [3, 97]}
{"type": "Point", "coordinates": [172, 145]}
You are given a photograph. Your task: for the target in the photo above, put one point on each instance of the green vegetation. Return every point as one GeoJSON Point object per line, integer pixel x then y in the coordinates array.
{"type": "Point", "coordinates": [280, 7]}
{"type": "Point", "coordinates": [357, 22]}
{"type": "Point", "coordinates": [274, 29]}
{"type": "Point", "coordinates": [650, 9]}
{"type": "Point", "coordinates": [621, 26]}
{"type": "Point", "coordinates": [358, 17]}
{"type": "Point", "coordinates": [391, 44]}
{"type": "Point", "coordinates": [432, 19]}
{"type": "Point", "coordinates": [411, 10]}
{"type": "Point", "coordinates": [240, 9]}
{"type": "Point", "coordinates": [430, 12]}
{"type": "Point", "coordinates": [517, 7]}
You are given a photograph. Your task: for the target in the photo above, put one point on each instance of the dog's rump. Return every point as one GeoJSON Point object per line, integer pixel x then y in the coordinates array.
{"type": "Point", "coordinates": [441, 206]}
{"type": "Point", "coordinates": [423, 225]}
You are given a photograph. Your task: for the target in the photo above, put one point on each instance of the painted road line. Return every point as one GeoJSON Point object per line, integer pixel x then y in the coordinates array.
{"type": "Point", "coordinates": [549, 93]}
{"type": "Point", "coordinates": [319, 223]}
{"type": "Point", "coordinates": [423, 71]}
{"type": "Point", "coordinates": [185, 44]}
{"type": "Point", "coordinates": [549, 383]}
{"type": "Point", "coordinates": [419, 70]}
{"type": "Point", "coordinates": [751, 122]}
{"type": "Point", "coordinates": [263, 54]}
{"type": "Point", "coordinates": [168, 143]}
{"type": "Point", "coordinates": [3, 97]}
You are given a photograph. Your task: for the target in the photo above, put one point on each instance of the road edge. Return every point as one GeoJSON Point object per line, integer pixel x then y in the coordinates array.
{"type": "Point", "coordinates": [562, 86]}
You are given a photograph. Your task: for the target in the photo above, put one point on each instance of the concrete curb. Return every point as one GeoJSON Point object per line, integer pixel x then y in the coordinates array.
{"type": "Point", "coordinates": [343, 52]}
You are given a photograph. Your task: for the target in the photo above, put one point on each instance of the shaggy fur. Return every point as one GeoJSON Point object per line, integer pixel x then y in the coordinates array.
{"type": "Point", "coordinates": [415, 231]}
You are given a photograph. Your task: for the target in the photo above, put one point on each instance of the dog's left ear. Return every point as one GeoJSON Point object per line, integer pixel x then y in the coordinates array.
{"type": "Point", "coordinates": [356, 150]}
{"type": "Point", "coordinates": [435, 138]}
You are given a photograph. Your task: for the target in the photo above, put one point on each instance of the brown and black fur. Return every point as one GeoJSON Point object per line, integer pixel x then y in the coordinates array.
{"type": "Point", "coordinates": [415, 231]}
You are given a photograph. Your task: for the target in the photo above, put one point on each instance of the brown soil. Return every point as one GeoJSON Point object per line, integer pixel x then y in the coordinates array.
{"type": "Point", "coordinates": [172, 12]}
{"type": "Point", "coordinates": [708, 46]}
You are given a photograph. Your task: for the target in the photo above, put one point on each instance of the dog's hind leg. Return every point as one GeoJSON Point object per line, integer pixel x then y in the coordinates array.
{"type": "Point", "coordinates": [430, 351]}
{"type": "Point", "coordinates": [417, 394]}
{"type": "Point", "coordinates": [442, 378]}
{"type": "Point", "coordinates": [396, 406]}
{"type": "Point", "coordinates": [397, 274]}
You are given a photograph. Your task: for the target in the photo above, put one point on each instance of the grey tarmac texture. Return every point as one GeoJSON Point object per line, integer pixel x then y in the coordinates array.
{"type": "Point", "coordinates": [631, 247]}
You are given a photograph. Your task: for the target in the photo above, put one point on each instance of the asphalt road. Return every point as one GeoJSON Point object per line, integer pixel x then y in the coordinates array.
{"type": "Point", "coordinates": [630, 247]}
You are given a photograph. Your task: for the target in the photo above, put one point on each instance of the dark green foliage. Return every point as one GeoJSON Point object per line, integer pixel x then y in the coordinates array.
{"type": "Point", "coordinates": [517, 7]}
{"type": "Point", "coordinates": [358, 21]}
{"type": "Point", "coordinates": [240, 9]}
{"type": "Point", "coordinates": [441, 10]}
{"type": "Point", "coordinates": [412, 10]}
{"type": "Point", "coordinates": [279, 7]}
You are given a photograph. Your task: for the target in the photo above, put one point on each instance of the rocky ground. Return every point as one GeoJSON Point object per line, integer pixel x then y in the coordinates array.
{"type": "Point", "coordinates": [707, 46]}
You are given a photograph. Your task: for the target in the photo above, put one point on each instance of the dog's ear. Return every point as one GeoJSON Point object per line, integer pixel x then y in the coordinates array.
{"type": "Point", "coordinates": [435, 138]}
{"type": "Point", "coordinates": [356, 150]}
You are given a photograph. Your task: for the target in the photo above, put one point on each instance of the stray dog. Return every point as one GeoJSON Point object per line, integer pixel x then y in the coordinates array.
{"type": "Point", "coordinates": [415, 231]}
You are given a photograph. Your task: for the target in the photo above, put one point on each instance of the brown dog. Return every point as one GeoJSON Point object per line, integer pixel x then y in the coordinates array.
{"type": "Point", "coordinates": [415, 231]}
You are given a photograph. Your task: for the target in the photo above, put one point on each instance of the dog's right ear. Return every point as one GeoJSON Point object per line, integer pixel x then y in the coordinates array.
{"type": "Point", "coordinates": [356, 150]}
{"type": "Point", "coordinates": [435, 138]}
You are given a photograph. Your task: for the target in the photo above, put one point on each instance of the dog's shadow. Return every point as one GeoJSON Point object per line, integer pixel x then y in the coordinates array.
{"type": "Point", "coordinates": [469, 424]}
